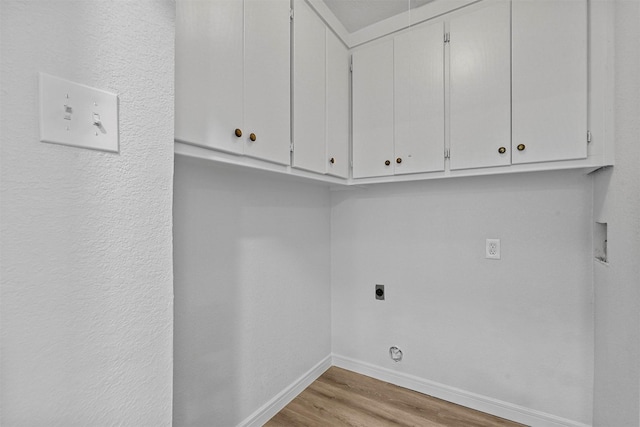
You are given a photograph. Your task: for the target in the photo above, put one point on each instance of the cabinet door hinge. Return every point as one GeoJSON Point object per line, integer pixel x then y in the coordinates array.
{"type": "Point", "coordinates": [447, 37]}
{"type": "Point", "coordinates": [291, 14]}
{"type": "Point", "coordinates": [447, 153]}
{"type": "Point", "coordinates": [588, 136]}
{"type": "Point", "coordinates": [291, 147]}
{"type": "Point", "coordinates": [351, 64]}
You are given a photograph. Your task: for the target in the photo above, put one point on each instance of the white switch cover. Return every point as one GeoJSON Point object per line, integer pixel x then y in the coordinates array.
{"type": "Point", "coordinates": [77, 115]}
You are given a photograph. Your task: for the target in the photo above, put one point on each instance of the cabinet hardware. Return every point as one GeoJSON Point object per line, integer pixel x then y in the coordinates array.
{"type": "Point", "coordinates": [238, 133]}
{"type": "Point", "coordinates": [387, 162]}
{"type": "Point", "coordinates": [291, 14]}
{"type": "Point", "coordinates": [521, 147]}
{"type": "Point", "coordinates": [399, 160]}
{"type": "Point", "coordinates": [588, 136]}
{"type": "Point", "coordinates": [447, 38]}
{"type": "Point", "coordinates": [253, 137]}
{"type": "Point", "coordinates": [502, 150]}
{"type": "Point", "coordinates": [332, 160]}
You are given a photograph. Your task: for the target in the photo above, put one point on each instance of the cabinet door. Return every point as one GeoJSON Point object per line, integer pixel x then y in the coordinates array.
{"type": "Point", "coordinates": [549, 80]}
{"type": "Point", "coordinates": [208, 93]}
{"type": "Point", "coordinates": [337, 107]}
{"type": "Point", "coordinates": [372, 86]}
{"type": "Point", "coordinates": [267, 91]}
{"type": "Point", "coordinates": [419, 100]}
{"type": "Point", "coordinates": [480, 82]}
{"type": "Point", "coordinates": [309, 89]}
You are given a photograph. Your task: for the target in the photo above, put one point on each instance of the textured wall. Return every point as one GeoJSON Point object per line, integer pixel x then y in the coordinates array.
{"type": "Point", "coordinates": [252, 288]}
{"type": "Point", "coordinates": [519, 329]}
{"type": "Point", "coordinates": [617, 202]}
{"type": "Point", "coordinates": [86, 235]}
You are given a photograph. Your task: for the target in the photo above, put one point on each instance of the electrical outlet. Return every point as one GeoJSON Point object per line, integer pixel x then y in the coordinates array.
{"type": "Point", "coordinates": [493, 249]}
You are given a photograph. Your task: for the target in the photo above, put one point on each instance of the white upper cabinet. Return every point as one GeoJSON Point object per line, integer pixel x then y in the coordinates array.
{"type": "Point", "coordinates": [309, 89]}
{"type": "Point", "coordinates": [549, 80]}
{"type": "Point", "coordinates": [267, 83]}
{"type": "Point", "coordinates": [337, 112]}
{"type": "Point", "coordinates": [419, 100]}
{"type": "Point", "coordinates": [209, 62]}
{"type": "Point", "coordinates": [476, 88]}
{"type": "Point", "coordinates": [480, 86]}
{"type": "Point", "coordinates": [233, 76]}
{"type": "Point", "coordinates": [372, 92]}
{"type": "Point", "coordinates": [398, 104]}
{"type": "Point", "coordinates": [320, 96]}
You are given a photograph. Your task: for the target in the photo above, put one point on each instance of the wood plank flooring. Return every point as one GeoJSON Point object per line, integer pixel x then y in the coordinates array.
{"type": "Point", "coordinates": [343, 398]}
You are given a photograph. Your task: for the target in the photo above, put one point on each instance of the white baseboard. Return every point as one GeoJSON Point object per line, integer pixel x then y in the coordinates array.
{"type": "Point", "coordinates": [486, 404]}
{"type": "Point", "coordinates": [481, 403]}
{"type": "Point", "coordinates": [272, 407]}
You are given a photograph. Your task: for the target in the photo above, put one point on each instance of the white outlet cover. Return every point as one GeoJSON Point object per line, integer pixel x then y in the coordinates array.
{"type": "Point", "coordinates": [77, 115]}
{"type": "Point", "coordinates": [492, 249]}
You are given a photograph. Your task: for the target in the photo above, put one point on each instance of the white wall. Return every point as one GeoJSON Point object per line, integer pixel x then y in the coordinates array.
{"type": "Point", "coordinates": [519, 329]}
{"type": "Point", "coordinates": [617, 202]}
{"type": "Point", "coordinates": [252, 288]}
{"type": "Point", "coordinates": [86, 235]}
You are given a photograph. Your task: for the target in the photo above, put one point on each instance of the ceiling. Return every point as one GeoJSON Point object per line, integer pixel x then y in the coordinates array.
{"type": "Point", "coordinates": [357, 14]}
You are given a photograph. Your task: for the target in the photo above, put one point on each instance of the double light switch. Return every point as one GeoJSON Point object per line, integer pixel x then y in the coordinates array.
{"type": "Point", "coordinates": [77, 115]}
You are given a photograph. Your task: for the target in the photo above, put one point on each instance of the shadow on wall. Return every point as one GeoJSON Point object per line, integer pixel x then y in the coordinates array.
{"type": "Point", "coordinates": [205, 336]}
{"type": "Point", "coordinates": [252, 284]}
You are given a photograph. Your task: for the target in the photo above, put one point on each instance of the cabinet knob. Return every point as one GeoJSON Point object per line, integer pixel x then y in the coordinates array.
{"type": "Point", "coordinates": [253, 137]}
{"type": "Point", "coordinates": [332, 160]}
{"type": "Point", "coordinates": [238, 133]}
{"type": "Point", "coordinates": [399, 160]}
{"type": "Point", "coordinates": [502, 150]}
{"type": "Point", "coordinates": [387, 162]}
{"type": "Point", "coordinates": [521, 147]}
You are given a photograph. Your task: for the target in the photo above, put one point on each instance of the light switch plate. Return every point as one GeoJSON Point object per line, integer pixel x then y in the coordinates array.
{"type": "Point", "coordinates": [77, 115]}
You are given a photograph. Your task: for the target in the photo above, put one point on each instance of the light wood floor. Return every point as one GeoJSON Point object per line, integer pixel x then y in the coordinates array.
{"type": "Point", "coordinates": [343, 398]}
